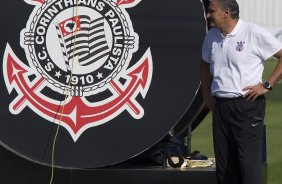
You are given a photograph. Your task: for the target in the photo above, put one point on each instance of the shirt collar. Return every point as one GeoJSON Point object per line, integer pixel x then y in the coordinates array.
{"type": "Point", "coordinates": [235, 29]}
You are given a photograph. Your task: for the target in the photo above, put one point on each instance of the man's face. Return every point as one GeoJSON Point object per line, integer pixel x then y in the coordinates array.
{"type": "Point", "coordinates": [215, 15]}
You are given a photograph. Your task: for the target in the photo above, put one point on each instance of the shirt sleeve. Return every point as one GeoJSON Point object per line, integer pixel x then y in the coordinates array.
{"type": "Point", "coordinates": [267, 44]}
{"type": "Point", "coordinates": [206, 50]}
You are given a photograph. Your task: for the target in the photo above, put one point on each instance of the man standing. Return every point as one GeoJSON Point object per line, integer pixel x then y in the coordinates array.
{"type": "Point", "coordinates": [233, 57]}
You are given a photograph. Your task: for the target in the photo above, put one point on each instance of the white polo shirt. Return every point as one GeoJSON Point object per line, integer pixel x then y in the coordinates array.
{"type": "Point", "coordinates": [237, 60]}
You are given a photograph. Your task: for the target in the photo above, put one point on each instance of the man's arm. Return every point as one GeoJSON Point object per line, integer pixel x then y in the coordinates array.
{"type": "Point", "coordinates": [206, 79]}
{"type": "Point", "coordinates": [274, 78]}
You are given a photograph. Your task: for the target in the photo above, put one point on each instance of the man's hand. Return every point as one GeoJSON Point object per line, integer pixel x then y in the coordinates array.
{"type": "Point", "coordinates": [254, 91]}
{"type": "Point", "coordinates": [210, 101]}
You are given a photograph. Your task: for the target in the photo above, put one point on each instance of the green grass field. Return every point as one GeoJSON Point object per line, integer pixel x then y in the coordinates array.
{"type": "Point", "coordinates": [202, 136]}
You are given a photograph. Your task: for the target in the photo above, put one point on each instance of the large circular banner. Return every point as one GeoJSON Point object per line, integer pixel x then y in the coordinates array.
{"type": "Point", "coordinates": [96, 82]}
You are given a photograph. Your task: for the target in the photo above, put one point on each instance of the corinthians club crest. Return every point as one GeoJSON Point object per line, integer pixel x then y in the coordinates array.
{"type": "Point", "coordinates": [81, 50]}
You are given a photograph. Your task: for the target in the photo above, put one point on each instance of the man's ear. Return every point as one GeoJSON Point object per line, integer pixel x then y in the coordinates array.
{"type": "Point", "coordinates": [227, 12]}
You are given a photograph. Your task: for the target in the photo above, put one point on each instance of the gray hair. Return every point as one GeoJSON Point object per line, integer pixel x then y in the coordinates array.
{"type": "Point", "coordinates": [232, 5]}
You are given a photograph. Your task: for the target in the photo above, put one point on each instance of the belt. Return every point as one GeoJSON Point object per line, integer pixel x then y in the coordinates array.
{"type": "Point", "coordinates": [229, 99]}
{"type": "Point", "coordinates": [236, 98]}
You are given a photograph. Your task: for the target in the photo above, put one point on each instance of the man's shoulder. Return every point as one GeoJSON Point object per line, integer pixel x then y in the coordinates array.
{"type": "Point", "coordinates": [252, 27]}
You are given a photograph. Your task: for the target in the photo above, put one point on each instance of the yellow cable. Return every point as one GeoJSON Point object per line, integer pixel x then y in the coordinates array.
{"type": "Point", "coordinates": [62, 112]}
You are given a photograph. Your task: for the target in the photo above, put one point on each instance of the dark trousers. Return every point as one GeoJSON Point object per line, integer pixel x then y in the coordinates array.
{"type": "Point", "coordinates": [237, 134]}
